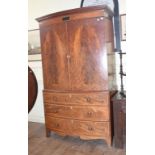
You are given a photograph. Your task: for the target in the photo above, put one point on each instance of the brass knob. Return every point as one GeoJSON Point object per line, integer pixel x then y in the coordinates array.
{"type": "Point", "coordinates": [89, 113]}
{"type": "Point", "coordinates": [90, 129]}
{"type": "Point", "coordinates": [88, 99]}
{"type": "Point", "coordinates": [57, 125]}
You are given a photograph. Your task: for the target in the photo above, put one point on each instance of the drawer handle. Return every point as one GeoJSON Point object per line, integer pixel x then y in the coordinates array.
{"type": "Point", "coordinates": [90, 129]}
{"type": "Point", "coordinates": [89, 113]}
{"type": "Point", "coordinates": [57, 125]}
{"type": "Point", "coordinates": [55, 98]}
{"type": "Point", "coordinates": [88, 99]}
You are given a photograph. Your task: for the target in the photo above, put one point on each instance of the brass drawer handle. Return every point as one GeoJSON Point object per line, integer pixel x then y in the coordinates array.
{"type": "Point", "coordinates": [89, 113]}
{"type": "Point", "coordinates": [57, 125]}
{"type": "Point", "coordinates": [88, 99]}
{"type": "Point", "coordinates": [90, 128]}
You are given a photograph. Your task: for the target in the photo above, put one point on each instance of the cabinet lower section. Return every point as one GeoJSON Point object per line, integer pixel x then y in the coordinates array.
{"type": "Point", "coordinates": [78, 128]}
{"type": "Point", "coordinates": [86, 115]}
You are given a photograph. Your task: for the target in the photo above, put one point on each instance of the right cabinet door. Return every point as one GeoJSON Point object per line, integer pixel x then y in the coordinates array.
{"type": "Point", "coordinates": [88, 61]}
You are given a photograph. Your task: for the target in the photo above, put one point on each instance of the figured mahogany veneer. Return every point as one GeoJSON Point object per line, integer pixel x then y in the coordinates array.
{"type": "Point", "coordinates": [86, 129]}
{"type": "Point", "coordinates": [77, 98]}
{"type": "Point", "coordinates": [92, 113]}
{"type": "Point", "coordinates": [75, 46]}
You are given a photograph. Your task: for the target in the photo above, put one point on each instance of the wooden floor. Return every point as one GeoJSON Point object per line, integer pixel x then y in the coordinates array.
{"type": "Point", "coordinates": [39, 144]}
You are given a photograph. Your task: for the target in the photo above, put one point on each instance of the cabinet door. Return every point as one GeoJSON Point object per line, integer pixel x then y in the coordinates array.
{"type": "Point", "coordinates": [54, 57]}
{"type": "Point", "coordinates": [88, 54]}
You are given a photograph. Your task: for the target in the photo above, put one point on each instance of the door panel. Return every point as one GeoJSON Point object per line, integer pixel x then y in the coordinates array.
{"type": "Point", "coordinates": [88, 59]}
{"type": "Point", "coordinates": [54, 52]}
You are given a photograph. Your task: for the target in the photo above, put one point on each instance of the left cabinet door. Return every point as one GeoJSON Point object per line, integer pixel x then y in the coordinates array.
{"type": "Point", "coordinates": [54, 57]}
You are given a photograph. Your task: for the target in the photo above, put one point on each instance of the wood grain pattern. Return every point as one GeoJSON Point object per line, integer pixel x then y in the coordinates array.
{"type": "Point", "coordinates": [59, 98]}
{"type": "Point", "coordinates": [101, 98]}
{"type": "Point", "coordinates": [85, 129]}
{"type": "Point", "coordinates": [86, 44]}
{"type": "Point", "coordinates": [93, 113]}
{"type": "Point", "coordinates": [54, 57]}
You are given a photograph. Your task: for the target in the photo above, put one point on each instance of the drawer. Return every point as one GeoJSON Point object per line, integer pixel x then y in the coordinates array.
{"type": "Point", "coordinates": [78, 128]}
{"type": "Point", "coordinates": [57, 124]}
{"type": "Point", "coordinates": [56, 97]}
{"type": "Point", "coordinates": [88, 128]}
{"type": "Point", "coordinates": [77, 98]}
{"type": "Point", "coordinates": [90, 98]}
{"type": "Point", "coordinates": [94, 113]}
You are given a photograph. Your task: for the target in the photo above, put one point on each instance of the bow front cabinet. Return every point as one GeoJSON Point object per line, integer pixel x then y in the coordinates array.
{"type": "Point", "coordinates": [77, 50]}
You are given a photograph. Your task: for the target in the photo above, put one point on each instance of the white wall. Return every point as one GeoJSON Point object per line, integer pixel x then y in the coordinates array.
{"type": "Point", "coordinates": [38, 8]}
{"type": "Point", "coordinates": [122, 6]}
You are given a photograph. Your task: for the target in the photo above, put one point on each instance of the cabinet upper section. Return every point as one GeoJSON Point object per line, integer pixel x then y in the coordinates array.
{"type": "Point", "coordinates": [75, 14]}
{"type": "Point", "coordinates": [74, 47]}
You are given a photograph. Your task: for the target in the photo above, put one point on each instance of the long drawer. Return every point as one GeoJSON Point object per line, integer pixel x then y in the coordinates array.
{"type": "Point", "coordinates": [93, 113]}
{"type": "Point", "coordinates": [78, 128]}
{"type": "Point", "coordinates": [101, 98]}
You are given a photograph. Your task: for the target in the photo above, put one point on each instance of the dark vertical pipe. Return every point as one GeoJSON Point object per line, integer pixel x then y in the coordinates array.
{"type": "Point", "coordinates": [118, 41]}
{"type": "Point", "coordinates": [117, 26]}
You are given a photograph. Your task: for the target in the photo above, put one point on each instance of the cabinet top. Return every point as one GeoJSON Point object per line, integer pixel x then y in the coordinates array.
{"type": "Point", "coordinates": [77, 10]}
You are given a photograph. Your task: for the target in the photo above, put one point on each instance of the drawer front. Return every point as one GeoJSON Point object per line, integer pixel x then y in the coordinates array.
{"type": "Point", "coordinates": [91, 128]}
{"type": "Point", "coordinates": [56, 124]}
{"type": "Point", "coordinates": [94, 113]}
{"type": "Point", "coordinates": [78, 128]}
{"type": "Point", "coordinates": [61, 98]}
{"type": "Point", "coordinates": [90, 98]}
{"type": "Point", "coordinates": [77, 98]}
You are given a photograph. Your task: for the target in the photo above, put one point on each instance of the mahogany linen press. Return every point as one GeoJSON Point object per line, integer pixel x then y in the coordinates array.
{"type": "Point", "coordinates": [77, 50]}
